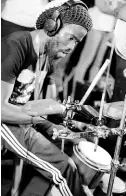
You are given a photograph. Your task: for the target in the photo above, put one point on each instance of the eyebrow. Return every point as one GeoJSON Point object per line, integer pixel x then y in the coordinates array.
{"type": "Point", "coordinates": [76, 38]}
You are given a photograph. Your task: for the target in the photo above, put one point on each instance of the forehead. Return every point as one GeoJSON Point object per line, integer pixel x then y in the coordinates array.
{"type": "Point", "coordinates": [75, 30]}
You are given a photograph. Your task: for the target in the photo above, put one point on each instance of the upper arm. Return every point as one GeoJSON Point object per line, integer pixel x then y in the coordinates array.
{"type": "Point", "coordinates": [6, 91]}
{"type": "Point", "coordinates": [11, 60]}
{"type": "Point", "coordinates": [10, 65]}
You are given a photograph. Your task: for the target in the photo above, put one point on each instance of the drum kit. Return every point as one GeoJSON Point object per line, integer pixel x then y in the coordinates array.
{"type": "Point", "coordinates": [93, 161]}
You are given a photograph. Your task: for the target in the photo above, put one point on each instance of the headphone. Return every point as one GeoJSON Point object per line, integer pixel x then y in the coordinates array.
{"type": "Point", "coordinates": [54, 24]}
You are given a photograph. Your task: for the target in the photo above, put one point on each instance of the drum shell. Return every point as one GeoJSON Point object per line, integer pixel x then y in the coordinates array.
{"type": "Point", "coordinates": [86, 114]}
{"type": "Point", "coordinates": [91, 176]}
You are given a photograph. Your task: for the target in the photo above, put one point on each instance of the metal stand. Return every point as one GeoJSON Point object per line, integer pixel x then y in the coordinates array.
{"type": "Point", "coordinates": [115, 162]}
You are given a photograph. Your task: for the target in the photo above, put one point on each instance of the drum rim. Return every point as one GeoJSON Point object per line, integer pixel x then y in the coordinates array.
{"type": "Point", "coordinates": [108, 166]}
{"type": "Point", "coordinates": [104, 189]}
{"type": "Point", "coordinates": [84, 161]}
{"type": "Point", "coordinates": [94, 165]}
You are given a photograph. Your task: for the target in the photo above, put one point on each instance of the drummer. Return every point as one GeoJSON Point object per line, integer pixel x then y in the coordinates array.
{"type": "Point", "coordinates": [59, 27]}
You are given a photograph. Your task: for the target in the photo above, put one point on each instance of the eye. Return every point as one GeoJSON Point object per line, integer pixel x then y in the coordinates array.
{"type": "Point", "coordinates": [73, 39]}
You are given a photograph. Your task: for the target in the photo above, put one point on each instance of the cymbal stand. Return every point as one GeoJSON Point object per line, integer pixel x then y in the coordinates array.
{"type": "Point", "coordinates": [115, 161]}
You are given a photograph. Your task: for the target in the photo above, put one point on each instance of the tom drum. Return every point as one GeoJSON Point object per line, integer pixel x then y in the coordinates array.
{"type": "Point", "coordinates": [91, 164]}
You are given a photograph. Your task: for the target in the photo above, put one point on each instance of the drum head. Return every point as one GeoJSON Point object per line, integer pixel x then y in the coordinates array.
{"type": "Point", "coordinates": [99, 158]}
{"type": "Point", "coordinates": [118, 185]}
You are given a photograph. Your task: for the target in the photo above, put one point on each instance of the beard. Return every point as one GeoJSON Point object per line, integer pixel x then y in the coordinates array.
{"type": "Point", "coordinates": [52, 52]}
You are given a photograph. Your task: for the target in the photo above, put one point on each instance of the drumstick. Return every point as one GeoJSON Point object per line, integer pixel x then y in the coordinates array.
{"type": "Point", "coordinates": [96, 79]}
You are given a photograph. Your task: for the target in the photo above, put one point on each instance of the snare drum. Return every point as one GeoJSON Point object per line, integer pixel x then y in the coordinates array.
{"type": "Point", "coordinates": [119, 187]}
{"type": "Point", "coordinates": [91, 164]}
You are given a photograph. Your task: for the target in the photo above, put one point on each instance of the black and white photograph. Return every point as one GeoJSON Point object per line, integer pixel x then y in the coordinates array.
{"type": "Point", "coordinates": [63, 97]}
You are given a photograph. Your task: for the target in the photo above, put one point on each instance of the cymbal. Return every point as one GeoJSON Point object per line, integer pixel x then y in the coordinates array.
{"type": "Point", "coordinates": [113, 110]}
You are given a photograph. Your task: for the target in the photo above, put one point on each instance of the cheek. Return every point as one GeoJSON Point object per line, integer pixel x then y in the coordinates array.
{"type": "Point", "coordinates": [64, 39]}
{"type": "Point", "coordinates": [64, 44]}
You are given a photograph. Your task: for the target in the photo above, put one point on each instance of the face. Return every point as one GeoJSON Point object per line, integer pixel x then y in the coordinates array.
{"type": "Point", "coordinates": [64, 42]}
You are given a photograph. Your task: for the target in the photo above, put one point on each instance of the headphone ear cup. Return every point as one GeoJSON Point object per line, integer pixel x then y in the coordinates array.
{"type": "Point", "coordinates": [55, 28]}
{"type": "Point", "coordinates": [49, 25]}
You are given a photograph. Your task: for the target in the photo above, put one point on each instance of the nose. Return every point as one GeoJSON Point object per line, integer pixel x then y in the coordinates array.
{"type": "Point", "coordinates": [72, 44]}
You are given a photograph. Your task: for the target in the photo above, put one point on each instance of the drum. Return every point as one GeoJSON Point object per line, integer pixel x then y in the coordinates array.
{"type": "Point", "coordinates": [91, 164]}
{"type": "Point", "coordinates": [119, 187]}
{"type": "Point", "coordinates": [87, 114]}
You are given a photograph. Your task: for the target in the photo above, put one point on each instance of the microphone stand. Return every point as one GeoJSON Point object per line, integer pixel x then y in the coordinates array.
{"type": "Point", "coordinates": [115, 162]}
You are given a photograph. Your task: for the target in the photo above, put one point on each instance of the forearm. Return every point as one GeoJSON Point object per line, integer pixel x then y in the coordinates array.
{"type": "Point", "coordinates": [14, 115]}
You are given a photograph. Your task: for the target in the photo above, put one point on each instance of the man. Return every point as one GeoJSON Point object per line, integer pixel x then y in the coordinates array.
{"type": "Point", "coordinates": [60, 26]}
